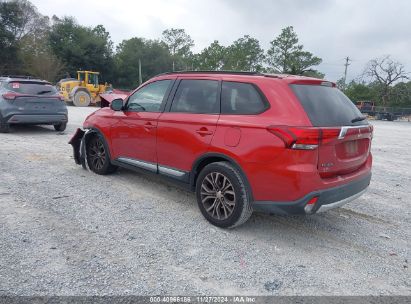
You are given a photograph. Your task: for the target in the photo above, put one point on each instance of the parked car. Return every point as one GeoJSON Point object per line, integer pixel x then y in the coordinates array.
{"type": "Point", "coordinates": [24, 100]}
{"type": "Point", "coordinates": [242, 141]}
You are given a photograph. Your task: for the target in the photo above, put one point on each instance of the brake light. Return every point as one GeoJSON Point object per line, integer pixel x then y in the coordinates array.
{"type": "Point", "coordinates": [329, 134]}
{"type": "Point", "coordinates": [9, 96]}
{"type": "Point", "coordinates": [304, 138]}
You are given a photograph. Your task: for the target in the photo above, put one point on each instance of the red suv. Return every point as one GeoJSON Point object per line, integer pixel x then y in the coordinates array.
{"type": "Point", "coordinates": [242, 141]}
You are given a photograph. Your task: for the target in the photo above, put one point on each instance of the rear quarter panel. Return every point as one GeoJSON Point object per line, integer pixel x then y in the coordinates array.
{"type": "Point", "coordinates": [272, 171]}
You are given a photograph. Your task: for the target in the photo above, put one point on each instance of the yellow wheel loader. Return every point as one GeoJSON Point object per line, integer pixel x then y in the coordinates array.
{"type": "Point", "coordinates": [84, 90]}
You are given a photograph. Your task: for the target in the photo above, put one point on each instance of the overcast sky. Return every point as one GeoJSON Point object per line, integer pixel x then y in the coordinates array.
{"type": "Point", "coordinates": [330, 29]}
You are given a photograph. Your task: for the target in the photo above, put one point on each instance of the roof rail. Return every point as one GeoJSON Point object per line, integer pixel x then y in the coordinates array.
{"type": "Point", "coordinates": [213, 72]}
{"type": "Point", "coordinates": [224, 72]}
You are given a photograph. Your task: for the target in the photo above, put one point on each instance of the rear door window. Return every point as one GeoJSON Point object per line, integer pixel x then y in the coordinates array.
{"type": "Point", "coordinates": [326, 106]}
{"type": "Point", "coordinates": [196, 96]}
{"type": "Point", "coordinates": [241, 98]}
{"type": "Point", "coordinates": [31, 88]}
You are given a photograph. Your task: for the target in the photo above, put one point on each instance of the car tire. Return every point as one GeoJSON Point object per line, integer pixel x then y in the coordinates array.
{"type": "Point", "coordinates": [98, 158]}
{"type": "Point", "coordinates": [60, 127]}
{"type": "Point", "coordinates": [222, 195]}
{"type": "Point", "coordinates": [4, 126]}
{"type": "Point", "coordinates": [81, 99]}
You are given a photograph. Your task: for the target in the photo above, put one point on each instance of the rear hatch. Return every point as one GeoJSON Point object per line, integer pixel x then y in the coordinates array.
{"type": "Point", "coordinates": [33, 96]}
{"type": "Point", "coordinates": [344, 133]}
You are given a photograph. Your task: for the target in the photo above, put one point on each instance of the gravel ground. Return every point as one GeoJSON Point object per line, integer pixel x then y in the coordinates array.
{"type": "Point", "coordinates": [66, 231]}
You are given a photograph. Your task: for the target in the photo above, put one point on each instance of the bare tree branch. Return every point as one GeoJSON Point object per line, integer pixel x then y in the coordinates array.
{"type": "Point", "coordinates": [385, 72]}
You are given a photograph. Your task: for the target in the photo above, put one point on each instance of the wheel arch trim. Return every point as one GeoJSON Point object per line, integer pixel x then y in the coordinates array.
{"type": "Point", "coordinates": [194, 171]}
{"type": "Point", "coordinates": [88, 133]}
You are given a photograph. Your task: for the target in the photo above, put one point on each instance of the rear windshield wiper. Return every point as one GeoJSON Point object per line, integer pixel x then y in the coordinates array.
{"type": "Point", "coordinates": [359, 118]}
{"type": "Point", "coordinates": [43, 92]}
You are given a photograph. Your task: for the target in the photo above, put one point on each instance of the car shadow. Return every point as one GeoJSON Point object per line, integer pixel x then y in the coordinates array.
{"type": "Point", "coordinates": [32, 129]}
{"type": "Point", "coordinates": [334, 225]}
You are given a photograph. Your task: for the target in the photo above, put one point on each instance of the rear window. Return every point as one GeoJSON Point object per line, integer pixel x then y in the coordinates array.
{"type": "Point", "coordinates": [326, 106]}
{"type": "Point", "coordinates": [241, 98]}
{"type": "Point", "coordinates": [31, 88]}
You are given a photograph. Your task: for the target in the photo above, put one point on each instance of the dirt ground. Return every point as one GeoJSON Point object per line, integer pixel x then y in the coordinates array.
{"type": "Point", "coordinates": [67, 231]}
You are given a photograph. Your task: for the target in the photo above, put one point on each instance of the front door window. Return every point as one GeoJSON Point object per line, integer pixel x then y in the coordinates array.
{"type": "Point", "coordinates": [149, 98]}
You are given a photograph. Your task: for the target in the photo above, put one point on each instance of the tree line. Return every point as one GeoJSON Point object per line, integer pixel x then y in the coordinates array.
{"type": "Point", "coordinates": [55, 48]}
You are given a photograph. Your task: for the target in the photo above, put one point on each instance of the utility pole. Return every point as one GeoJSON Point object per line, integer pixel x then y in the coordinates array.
{"type": "Point", "coordinates": [140, 80]}
{"type": "Point", "coordinates": [347, 63]}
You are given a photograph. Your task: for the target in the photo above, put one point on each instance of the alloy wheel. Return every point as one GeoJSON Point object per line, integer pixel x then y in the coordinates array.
{"type": "Point", "coordinates": [97, 154]}
{"type": "Point", "coordinates": [218, 195]}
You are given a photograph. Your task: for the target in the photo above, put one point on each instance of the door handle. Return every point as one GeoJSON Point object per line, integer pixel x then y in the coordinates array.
{"type": "Point", "coordinates": [204, 131]}
{"type": "Point", "coordinates": [149, 126]}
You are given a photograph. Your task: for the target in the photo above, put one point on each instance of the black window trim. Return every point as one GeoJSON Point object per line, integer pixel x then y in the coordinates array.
{"type": "Point", "coordinates": [267, 105]}
{"type": "Point", "coordinates": [177, 85]}
{"type": "Point", "coordinates": [163, 102]}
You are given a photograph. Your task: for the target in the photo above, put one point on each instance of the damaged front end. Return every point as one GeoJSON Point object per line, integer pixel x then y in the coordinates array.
{"type": "Point", "coordinates": [78, 141]}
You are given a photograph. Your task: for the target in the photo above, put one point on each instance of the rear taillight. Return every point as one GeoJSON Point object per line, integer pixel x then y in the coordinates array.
{"type": "Point", "coordinates": [356, 131]}
{"type": "Point", "coordinates": [329, 134]}
{"type": "Point", "coordinates": [304, 138]}
{"type": "Point", "coordinates": [9, 96]}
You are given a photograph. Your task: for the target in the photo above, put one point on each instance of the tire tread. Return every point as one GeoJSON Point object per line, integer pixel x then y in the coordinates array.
{"type": "Point", "coordinates": [247, 210]}
{"type": "Point", "coordinates": [108, 167]}
{"type": "Point", "coordinates": [244, 196]}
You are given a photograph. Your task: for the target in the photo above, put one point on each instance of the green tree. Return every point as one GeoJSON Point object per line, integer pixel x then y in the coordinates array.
{"type": "Point", "coordinates": [19, 19]}
{"type": "Point", "coordinates": [9, 21]}
{"type": "Point", "coordinates": [80, 47]}
{"type": "Point", "coordinates": [179, 44]}
{"type": "Point", "coordinates": [31, 21]}
{"type": "Point", "coordinates": [34, 50]}
{"type": "Point", "coordinates": [401, 94]}
{"type": "Point", "coordinates": [153, 54]}
{"type": "Point", "coordinates": [244, 54]}
{"type": "Point", "coordinates": [287, 56]}
{"type": "Point", "coordinates": [211, 58]}
{"type": "Point", "coordinates": [341, 84]}
{"type": "Point", "coordinates": [38, 58]}
{"type": "Point", "coordinates": [314, 74]}
{"type": "Point", "coordinates": [358, 91]}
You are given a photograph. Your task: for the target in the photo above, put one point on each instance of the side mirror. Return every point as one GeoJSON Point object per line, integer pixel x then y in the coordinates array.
{"type": "Point", "coordinates": [117, 104]}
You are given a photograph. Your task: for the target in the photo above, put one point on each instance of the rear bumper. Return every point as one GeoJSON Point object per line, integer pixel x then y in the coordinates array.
{"type": "Point", "coordinates": [37, 119]}
{"type": "Point", "coordinates": [327, 199]}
